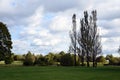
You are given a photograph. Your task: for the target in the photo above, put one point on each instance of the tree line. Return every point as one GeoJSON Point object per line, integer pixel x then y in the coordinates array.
{"type": "Point", "coordinates": [61, 59]}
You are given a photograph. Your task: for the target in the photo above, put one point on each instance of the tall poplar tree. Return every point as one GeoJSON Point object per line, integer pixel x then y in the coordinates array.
{"type": "Point", "coordinates": [73, 37]}
{"type": "Point", "coordinates": [88, 38]}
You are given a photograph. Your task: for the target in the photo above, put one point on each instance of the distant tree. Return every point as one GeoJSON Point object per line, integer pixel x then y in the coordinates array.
{"type": "Point", "coordinates": [29, 59]}
{"type": "Point", "coordinates": [57, 57]}
{"type": "Point", "coordinates": [18, 57]}
{"type": "Point", "coordinates": [41, 61]}
{"type": "Point", "coordinates": [5, 44]}
{"type": "Point", "coordinates": [50, 58]}
{"type": "Point", "coordinates": [101, 59]}
{"type": "Point", "coordinates": [67, 60]}
{"type": "Point", "coordinates": [110, 58]}
{"type": "Point", "coordinates": [62, 53]}
{"type": "Point", "coordinates": [113, 60]}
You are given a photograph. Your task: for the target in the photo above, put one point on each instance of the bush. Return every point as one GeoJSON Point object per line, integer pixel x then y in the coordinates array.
{"type": "Point", "coordinates": [29, 59]}
{"type": "Point", "coordinates": [8, 60]}
{"type": "Point", "coordinates": [101, 59]}
{"type": "Point", "coordinates": [42, 61]}
{"type": "Point", "coordinates": [113, 60]}
{"type": "Point", "coordinates": [50, 58]}
{"type": "Point", "coordinates": [67, 60]}
{"type": "Point", "coordinates": [18, 57]}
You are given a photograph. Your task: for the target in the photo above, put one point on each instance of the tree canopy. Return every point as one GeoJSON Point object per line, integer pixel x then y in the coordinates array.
{"type": "Point", "coordinates": [5, 43]}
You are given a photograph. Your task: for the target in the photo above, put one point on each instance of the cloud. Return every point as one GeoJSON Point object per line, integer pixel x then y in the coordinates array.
{"type": "Point", "coordinates": [108, 9]}
{"type": "Point", "coordinates": [110, 45]}
{"type": "Point", "coordinates": [58, 5]}
{"type": "Point", "coordinates": [60, 23]}
{"type": "Point", "coordinates": [20, 46]}
{"type": "Point", "coordinates": [43, 26]}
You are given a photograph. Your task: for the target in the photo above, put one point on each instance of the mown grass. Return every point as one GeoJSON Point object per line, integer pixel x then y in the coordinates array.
{"type": "Point", "coordinates": [59, 73]}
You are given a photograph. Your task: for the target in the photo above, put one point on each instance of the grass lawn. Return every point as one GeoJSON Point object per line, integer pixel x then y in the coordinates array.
{"type": "Point", "coordinates": [59, 73]}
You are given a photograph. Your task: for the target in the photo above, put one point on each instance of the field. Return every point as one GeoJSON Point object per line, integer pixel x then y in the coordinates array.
{"type": "Point", "coordinates": [59, 73]}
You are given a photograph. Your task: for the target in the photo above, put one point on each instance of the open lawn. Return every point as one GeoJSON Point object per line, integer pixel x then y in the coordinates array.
{"type": "Point", "coordinates": [59, 73]}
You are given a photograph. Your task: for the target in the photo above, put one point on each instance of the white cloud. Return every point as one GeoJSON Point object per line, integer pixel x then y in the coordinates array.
{"type": "Point", "coordinates": [110, 45]}
{"type": "Point", "coordinates": [36, 19]}
{"type": "Point", "coordinates": [20, 47]}
{"type": "Point", "coordinates": [6, 6]}
{"type": "Point", "coordinates": [103, 31]}
{"type": "Point", "coordinates": [32, 25]}
{"type": "Point", "coordinates": [60, 23]}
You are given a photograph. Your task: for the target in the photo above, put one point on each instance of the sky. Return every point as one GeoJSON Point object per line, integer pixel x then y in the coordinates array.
{"type": "Point", "coordinates": [42, 26]}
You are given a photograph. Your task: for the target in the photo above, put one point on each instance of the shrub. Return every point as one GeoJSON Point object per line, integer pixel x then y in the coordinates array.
{"type": "Point", "coordinates": [18, 58]}
{"type": "Point", "coordinates": [113, 60]}
{"type": "Point", "coordinates": [29, 59]}
{"type": "Point", "coordinates": [50, 58]}
{"type": "Point", "coordinates": [67, 60]}
{"type": "Point", "coordinates": [8, 60]}
{"type": "Point", "coordinates": [42, 61]}
{"type": "Point", "coordinates": [101, 59]}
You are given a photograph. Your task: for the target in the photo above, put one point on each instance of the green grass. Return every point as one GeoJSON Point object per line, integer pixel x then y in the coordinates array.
{"type": "Point", "coordinates": [59, 73]}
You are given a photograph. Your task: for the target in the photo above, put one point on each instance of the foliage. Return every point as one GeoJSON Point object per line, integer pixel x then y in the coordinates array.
{"type": "Point", "coordinates": [50, 58]}
{"type": "Point", "coordinates": [29, 59]}
{"type": "Point", "coordinates": [5, 43]}
{"type": "Point", "coordinates": [8, 60]}
{"type": "Point", "coordinates": [101, 59]}
{"type": "Point", "coordinates": [67, 60]}
{"type": "Point", "coordinates": [113, 60]}
{"type": "Point", "coordinates": [41, 61]}
{"type": "Point", "coordinates": [18, 57]}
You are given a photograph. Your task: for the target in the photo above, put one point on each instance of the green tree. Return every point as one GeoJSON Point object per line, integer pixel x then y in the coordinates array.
{"type": "Point", "coordinates": [41, 61]}
{"type": "Point", "coordinates": [18, 57]}
{"type": "Point", "coordinates": [113, 60]}
{"type": "Point", "coordinates": [67, 60]}
{"type": "Point", "coordinates": [50, 58]}
{"type": "Point", "coordinates": [5, 44]}
{"type": "Point", "coordinates": [101, 59]}
{"type": "Point", "coordinates": [29, 59]}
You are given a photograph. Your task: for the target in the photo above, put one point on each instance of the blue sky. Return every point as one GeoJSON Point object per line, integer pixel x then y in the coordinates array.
{"type": "Point", "coordinates": [43, 26]}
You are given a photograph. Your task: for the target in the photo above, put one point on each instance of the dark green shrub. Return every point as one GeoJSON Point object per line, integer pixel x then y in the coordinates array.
{"type": "Point", "coordinates": [8, 60]}
{"type": "Point", "coordinates": [67, 60]}
{"type": "Point", "coordinates": [42, 61]}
